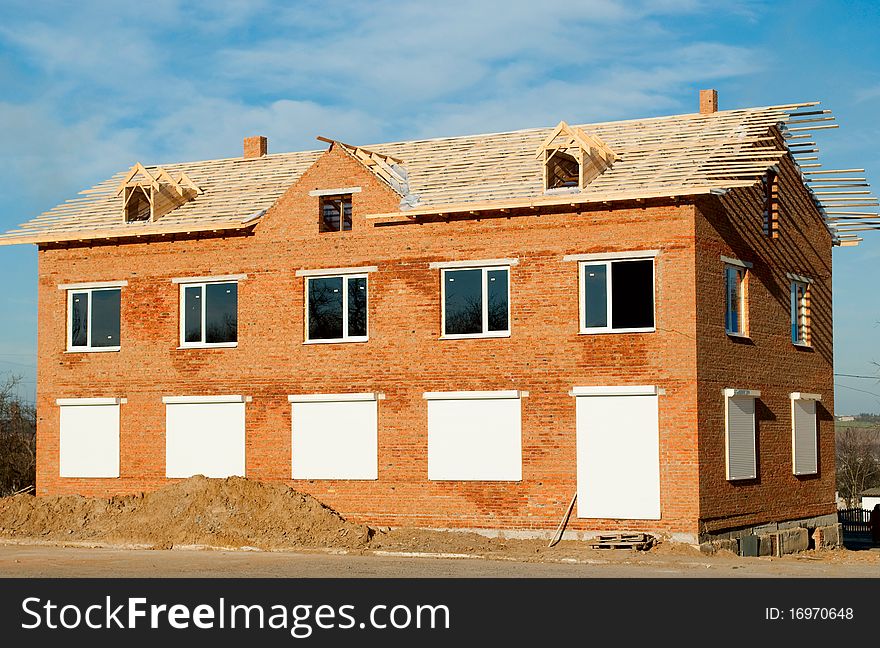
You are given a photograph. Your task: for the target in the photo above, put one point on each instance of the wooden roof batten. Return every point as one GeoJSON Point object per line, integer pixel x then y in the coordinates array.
{"type": "Point", "coordinates": [676, 156]}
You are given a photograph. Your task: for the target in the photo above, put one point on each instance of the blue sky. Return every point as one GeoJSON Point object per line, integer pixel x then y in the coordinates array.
{"type": "Point", "coordinates": [88, 88]}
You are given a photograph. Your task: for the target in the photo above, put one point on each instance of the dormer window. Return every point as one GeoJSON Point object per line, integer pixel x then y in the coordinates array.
{"type": "Point", "coordinates": [572, 158]}
{"type": "Point", "coordinates": [149, 194]}
{"type": "Point", "coordinates": [335, 213]}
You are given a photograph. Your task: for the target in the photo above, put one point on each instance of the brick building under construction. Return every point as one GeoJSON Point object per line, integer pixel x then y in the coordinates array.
{"type": "Point", "coordinates": [462, 332]}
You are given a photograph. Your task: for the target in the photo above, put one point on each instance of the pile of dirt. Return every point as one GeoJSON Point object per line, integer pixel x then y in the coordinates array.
{"type": "Point", "coordinates": [237, 512]}
{"type": "Point", "coordinates": [232, 512]}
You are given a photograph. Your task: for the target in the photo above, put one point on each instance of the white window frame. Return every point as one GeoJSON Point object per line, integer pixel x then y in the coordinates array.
{"type": "Point", "coordinates": [743, 272]}
{"type": "Point", "coordinates": [754, 394]}
{"type": "Point", "coordinates": [592, 330]}
{"type": "Point", "coordinates": [345, 336]}
{"type": "Point", "coordinates": [799, 313]}
{"type": "Point", "coordinates": [513, 476]}
{"type": "Point", "coordinates": [796, 396]}
{"type": "Point", "coordinates": [486, 269]}
{"type": "Point", "coordinates": [338, 471]}
{"type": "Point", "coordinates": [182, 325]}
{"type": "Point", "coordinates": [89, 348]}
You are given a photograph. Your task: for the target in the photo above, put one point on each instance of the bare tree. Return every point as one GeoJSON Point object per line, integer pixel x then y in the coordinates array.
{"type": "Point", "coordinates": [858, 462]}
{"type": "Point", "coordinates": [18, 445]}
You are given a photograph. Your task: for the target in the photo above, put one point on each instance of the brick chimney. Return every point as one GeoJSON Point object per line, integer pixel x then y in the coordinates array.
{"type": "Point", "coordinates": [255, 147]}
{"type": "Point", "coordinates": [708, 101]}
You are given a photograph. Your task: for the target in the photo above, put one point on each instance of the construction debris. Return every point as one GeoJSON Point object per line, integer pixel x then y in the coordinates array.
{"type": "Point", "coordinates": [639, 541]}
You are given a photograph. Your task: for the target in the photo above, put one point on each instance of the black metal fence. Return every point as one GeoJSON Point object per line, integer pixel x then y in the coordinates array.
{"type": "Point", "coordinates": [854, 520]}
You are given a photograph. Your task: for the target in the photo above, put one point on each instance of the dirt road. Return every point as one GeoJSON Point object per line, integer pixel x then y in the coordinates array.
{"type": "Point", "coordinates": [32, 561]}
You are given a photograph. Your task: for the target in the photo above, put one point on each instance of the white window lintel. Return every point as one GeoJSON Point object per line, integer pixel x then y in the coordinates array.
{"type": "Point", "coordinates": [475, 395]}
{"type": "Point", "coordinates": [616, 390]}
{"type": "Point", "coordinates": [730, 392]}
{"type": "Point", "coordinates": [93, 285]}
{"type": "Point", "coordinates": [797, 277]}
{"type": "Point", "coordinates": [736, 262]}
{"type": "Point", "coordinates": [805, 396]}
{"type": "Point", "coordinates": [180, 400]}
{"type": "Point", "coordinates": [335, 398]}
{"type": "Point", "coordinates": [90, 401]}
{"type": "Point", "coordinates": [211, 279]}
{"type": "Point", "coordinates": [341, 191]}
{"type": "Point", "coordinates": [334, 272]}
{"type": "Point", "coordinates": [476, 263]}
{"type": "Point", "coordinates": [613, 256]}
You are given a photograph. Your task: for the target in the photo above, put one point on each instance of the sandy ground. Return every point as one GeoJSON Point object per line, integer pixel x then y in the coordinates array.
{"type": "Point", "coordinates": [34, 561]}
{"type": "Point", "coordinates": [236, 528]}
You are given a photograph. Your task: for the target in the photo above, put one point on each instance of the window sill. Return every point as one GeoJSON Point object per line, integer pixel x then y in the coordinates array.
{"type": "Point", "coordinates": [219, 345]}
{"type": "Point", "coordinates": [94, 350]}
{"type": "Point", "coordinates": [338, 341]}
{"type": "Point", "coordinates": [738, 336]}
{"type": "Point", "coordinates": [476, 336]}
{"type": "Point", "coordinates": [612, 331]}
{"type": "Point", "coordinates": [802, 345]}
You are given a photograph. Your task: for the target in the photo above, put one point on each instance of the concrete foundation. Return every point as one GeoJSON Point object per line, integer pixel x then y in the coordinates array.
{"type": "Point", "coordinates": [771, 527]}
{"type": "Point", "coordinates": [828, 536]}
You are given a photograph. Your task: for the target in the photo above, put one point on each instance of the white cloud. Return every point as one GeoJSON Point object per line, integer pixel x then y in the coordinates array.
{"type": "Point", "coordinates": [188, 81]}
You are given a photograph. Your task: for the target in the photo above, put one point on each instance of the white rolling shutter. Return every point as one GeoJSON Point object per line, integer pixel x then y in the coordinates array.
{"type": "Point", "coordinates": [334, 436]}
{"type": "Point", "coordinates": [474, 436]}
{"type": "Point", "coordinates": [618, 453]}
{"type": "Point", "coordinates": [741, 452]}
{"type": "Point", "coordinates": [204, 436]}
{"type": "Point", "coordinates": [89, 438]}
{"type": "Point", "coordinates": [804, 441]}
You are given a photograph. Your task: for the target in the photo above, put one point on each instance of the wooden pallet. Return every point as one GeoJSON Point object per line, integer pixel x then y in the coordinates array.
{"type": "Point", "coordinates": [638, 541]}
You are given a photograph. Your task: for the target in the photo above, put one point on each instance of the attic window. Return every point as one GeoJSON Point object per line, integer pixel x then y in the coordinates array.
{"type": "Point", "coordinates": [137, 204]}
{"type": "Point", "coordinates": [335, 213]}
{"type": "Point", "coordinates": [563, 170]}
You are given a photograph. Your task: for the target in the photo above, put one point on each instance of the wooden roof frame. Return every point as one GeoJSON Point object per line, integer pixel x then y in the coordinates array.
{"type": "Point", "coordinates": [162, 191]}
{"type": "Point", "coordinates": [592, 154]}
{"type": "Point", "coordinates": [378, 164]}
{"type": "Point", "coordinates": [671, 156]}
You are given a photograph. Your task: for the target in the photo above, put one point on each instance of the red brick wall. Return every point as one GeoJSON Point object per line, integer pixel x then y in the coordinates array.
{"type": "Point", "coordinates": [545, 355]}
{"type": "Point", "coordinates": [731, 225]}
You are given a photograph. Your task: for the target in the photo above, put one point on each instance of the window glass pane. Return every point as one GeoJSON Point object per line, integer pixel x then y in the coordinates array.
{"type": "Point", "coordinates": [734, 317]}
{"type": "Point", "coordinates": [794, 312]}
{"type": "Point", "coordinates": [330, 214]}
{"type": "Point", "coordinates": [105, 318]}
{"type": "Point", "coordinates": [464, 301]}
{"type": "Point", "coordinates": [192, 314]}
{"type": "Point", "coordinates": [346, 211]}
{"type": "Point", "coordinates": [595, 296]}
{"type": "Point", "coordinates": [221, 313]}
{"type": "Point", "coordinates": [325, 308]}
{"type": "Point", "coordinates": [357, 307]}
{"type": "Point", "coordinates": [498, 306]}
{"type": "Point", "coordinates": [79, 316]}
{"type": "Point", "coordinates": [632, 294]}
